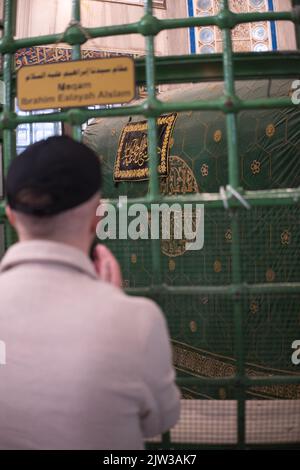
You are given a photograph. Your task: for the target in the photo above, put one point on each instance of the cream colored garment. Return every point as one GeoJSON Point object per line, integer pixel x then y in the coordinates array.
{"type": "Point", "coordinates": [87, 367]}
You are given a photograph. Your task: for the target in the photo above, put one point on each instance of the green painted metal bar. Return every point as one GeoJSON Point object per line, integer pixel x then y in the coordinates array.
{"type": "Point", "coordinates": [9, 141]}
{"type": "Point", "coordinates": [155, 108]}
{"type": "Point", "coordinates": [209, 67]}
{"type": "Point", "coordinates": [296, 7]}
{"type": "Point", "coordinates": [153, 157]}
{"type": "Point", "coordinates": [8, 106]}
{"type": "Point", "coordinates": [152, 141]}
{"type": "Point", "coordinates": [228, 19]}
{"type": "Point", "coordinates": [266, 198]}
{"type": "Point", "coordinates": [76, 49]}
{"type": "Point", "coordinates": [234, 181]}
{"type": "Point", "coordinates": [147, 26]}
{"type": "Point", "coordinates": [229, 290]}
{"type": "Point", "coordinates": [76, 55]}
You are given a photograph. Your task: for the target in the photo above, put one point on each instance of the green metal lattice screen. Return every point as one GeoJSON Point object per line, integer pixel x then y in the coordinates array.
{"type": "Point", "coordinates": [151, 71]}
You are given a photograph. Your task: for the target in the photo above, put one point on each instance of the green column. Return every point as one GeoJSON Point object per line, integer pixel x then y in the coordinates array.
{"type": "Point", "coordinates": [9, 138]}
{"type": "Point", "coordinates": [234, 181]}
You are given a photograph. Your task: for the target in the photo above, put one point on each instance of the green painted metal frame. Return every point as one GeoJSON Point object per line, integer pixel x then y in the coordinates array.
{"type": "Point", "coordinates": [227, 67]}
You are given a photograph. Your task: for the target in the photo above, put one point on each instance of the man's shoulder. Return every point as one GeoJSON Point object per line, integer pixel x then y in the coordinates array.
{"type": "Point", "coordinates": [137, 302]}
{"type": "Point", "coordinates": [135, 307]}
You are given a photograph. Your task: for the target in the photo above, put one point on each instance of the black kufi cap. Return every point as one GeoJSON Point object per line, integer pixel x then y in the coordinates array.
{"type": "Point", "coordinates": [52, 176]}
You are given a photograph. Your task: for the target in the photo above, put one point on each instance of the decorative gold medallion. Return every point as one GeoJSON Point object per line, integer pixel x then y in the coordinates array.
{"type": "Point", "coordinates": [286, 237]}
{"type": "Point", "coordinates": [132, 161]}
{"type": "Point", "coordinates": [270, 275]}
{"type": "Point", "coordinates": [254, 307]}
{"type": "Point", "coordinates": [218, 135]}
{"type": "Point", "coordinates": [255, 167]}
{"type": "Point", "coordinates": [204, 169]}
{"type": "Point", "coordinates": [133, 258]}
{"type": "Point", "coordinates": [217, 266]}
{"type": "Point", "coordinates": [228, 235]}
{"type": "Point", "coordinates": [270, 130]}
{"type": "Point", "coordinates": [172, 265]}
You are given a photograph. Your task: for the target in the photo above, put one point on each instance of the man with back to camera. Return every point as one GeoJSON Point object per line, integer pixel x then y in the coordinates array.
{"type": "Point", "coordinates": [87, 367]}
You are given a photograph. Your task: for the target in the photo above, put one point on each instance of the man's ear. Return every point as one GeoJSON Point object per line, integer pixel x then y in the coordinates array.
{"type": "Point", "coordinates": [94, 224]}
{"type": "Point", "coordinates": [10, 215]}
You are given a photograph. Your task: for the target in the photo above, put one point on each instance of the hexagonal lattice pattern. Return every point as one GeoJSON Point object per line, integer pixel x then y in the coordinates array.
{"type": "Point", "coordinates": [202, 326]}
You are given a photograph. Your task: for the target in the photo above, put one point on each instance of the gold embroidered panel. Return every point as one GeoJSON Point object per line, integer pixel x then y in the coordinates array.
{"type": "Point", "coordinates": [201, 363]}
{"type": "Point", "coordinates": [132, 156]}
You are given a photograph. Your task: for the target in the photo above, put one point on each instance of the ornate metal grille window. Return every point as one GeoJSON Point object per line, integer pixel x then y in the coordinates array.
{"type": "Point", "coordinates": [257, 37]}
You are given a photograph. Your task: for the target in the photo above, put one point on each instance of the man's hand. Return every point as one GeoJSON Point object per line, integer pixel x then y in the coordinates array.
{"type": "Point", "coordinates": [107, 266]}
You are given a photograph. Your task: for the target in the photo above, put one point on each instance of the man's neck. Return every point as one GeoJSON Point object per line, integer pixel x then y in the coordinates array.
{"type": "Point", "coordinates": [79, 243]}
